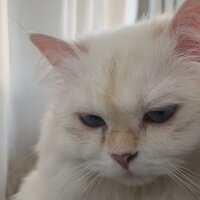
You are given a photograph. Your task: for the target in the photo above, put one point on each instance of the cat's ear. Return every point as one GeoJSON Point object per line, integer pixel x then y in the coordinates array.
{"type": "Point", "coordinates": [185, 25]}
{"type": "Point", "coordinates": [54, 49]}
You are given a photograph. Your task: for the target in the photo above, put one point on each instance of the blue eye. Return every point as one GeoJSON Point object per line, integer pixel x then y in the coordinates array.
{"type": "Point", "coordinates": [160, 116]}
{"type": "Point", "coordinates": [92, 120]}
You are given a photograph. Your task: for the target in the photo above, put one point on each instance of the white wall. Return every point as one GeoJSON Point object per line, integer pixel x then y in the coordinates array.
{"type": "Point", "coordinates": [27, 100]}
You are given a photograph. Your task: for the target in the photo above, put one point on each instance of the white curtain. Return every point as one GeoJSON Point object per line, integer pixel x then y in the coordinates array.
{"type": "Point", "coordinates": [160, 6]}
{"type": "Point", "coordinates": [22, 102]}
{"type": "Point", "coordinates": [84, 16]}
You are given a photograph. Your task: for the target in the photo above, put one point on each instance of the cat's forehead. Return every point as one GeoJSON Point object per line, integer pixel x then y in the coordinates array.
{"type": "Point", "coordinates": [125, 63]}
{"type": "Point", "coordinates": [126, 42]}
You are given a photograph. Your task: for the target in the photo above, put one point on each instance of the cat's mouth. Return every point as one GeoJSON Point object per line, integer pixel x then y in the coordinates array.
{"type": "Point", "coordinates": [125, 175]}
{"type": "Point", "coordinates": [131, 178]}
{"type": "Point", "coordinates": [128, 174]}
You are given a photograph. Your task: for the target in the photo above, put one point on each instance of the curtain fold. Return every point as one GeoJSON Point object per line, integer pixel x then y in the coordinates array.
{"type": "Point", "coordinates": [157, 7]}
{"type": "Point", "coordinates": [81, 17]}
{"type": "Point", "coordinates": [4, 91]}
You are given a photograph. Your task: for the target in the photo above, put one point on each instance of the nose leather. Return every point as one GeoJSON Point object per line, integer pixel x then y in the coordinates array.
{"type": "Point", "coordinates": [124, 159]}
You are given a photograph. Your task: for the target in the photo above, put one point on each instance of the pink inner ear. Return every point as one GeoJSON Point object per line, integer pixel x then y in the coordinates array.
{"type": "Point", "coordinates": [188, 14]}
{"type": "Point", "coordinates": [186, 24]}
{"type": "Point", "coordinates": [55, 50]}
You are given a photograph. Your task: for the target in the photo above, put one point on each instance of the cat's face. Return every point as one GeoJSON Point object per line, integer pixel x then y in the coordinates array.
{"type": "Point", "coordinates": [129, 103]}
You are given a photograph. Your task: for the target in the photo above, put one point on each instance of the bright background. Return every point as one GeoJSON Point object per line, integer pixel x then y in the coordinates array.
{"type": "Point", "coordinates": [22, 100]}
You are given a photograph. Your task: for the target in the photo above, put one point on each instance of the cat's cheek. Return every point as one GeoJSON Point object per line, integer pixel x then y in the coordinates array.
{"type": "Point", "coordinates": [84, 145]}
{"type": "Point", "coordinates": [70, 147]}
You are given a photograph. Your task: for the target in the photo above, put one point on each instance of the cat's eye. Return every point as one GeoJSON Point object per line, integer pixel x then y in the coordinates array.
{"type": "Point", "coordinates": [160, 115]}
{"type": "Point", "coordinates": [92, 120]}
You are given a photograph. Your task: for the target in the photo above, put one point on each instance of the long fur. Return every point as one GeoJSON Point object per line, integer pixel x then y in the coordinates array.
{"type": "Point", "coordinates": [119, 76]}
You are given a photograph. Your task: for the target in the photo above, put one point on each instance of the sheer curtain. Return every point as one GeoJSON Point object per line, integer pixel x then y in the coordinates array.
{"type": "Point", "coordinates": [22, 102]}
{"type": "Point", "coordinates": [82, 17]}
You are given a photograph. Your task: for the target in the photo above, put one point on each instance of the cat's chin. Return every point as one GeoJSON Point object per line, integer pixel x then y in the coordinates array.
{"type": "Point", "coordinates": [134, 179]}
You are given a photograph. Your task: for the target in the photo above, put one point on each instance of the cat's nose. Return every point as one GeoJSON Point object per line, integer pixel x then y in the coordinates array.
{"type": "Point", "coordinates": [124, 159]}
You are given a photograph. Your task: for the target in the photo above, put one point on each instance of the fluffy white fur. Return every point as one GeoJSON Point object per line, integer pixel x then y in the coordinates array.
{"type": "Point", "coordinates": [126, 72]}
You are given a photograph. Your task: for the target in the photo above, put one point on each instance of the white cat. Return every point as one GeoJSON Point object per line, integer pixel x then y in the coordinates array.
{"type": "Point", "coordinates": [125, 121]}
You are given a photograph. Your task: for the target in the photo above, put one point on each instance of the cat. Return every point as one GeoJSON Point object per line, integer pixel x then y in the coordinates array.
{"type": "Point", "coordinates": [124, 122]}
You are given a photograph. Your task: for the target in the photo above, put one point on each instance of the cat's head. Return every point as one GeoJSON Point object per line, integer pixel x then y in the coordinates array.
{"type": "Point", "coordinates": [128, 100]}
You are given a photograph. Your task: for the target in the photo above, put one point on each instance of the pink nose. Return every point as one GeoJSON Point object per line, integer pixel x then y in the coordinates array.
{"type": "Point", "coordinates": [124, 159]}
